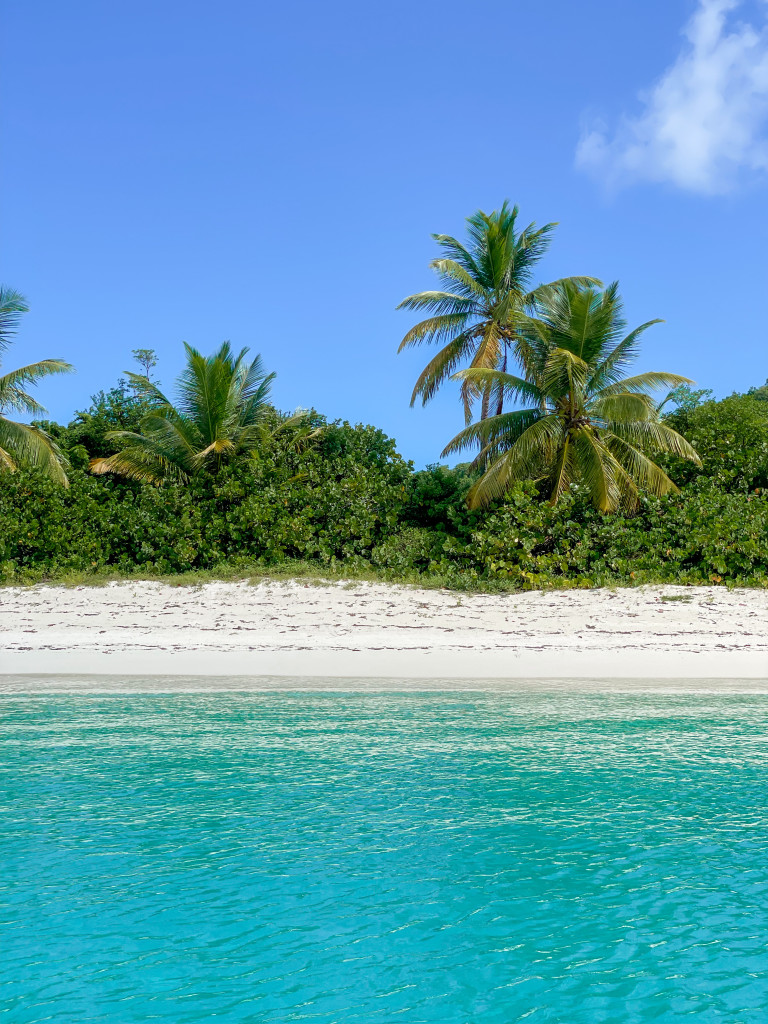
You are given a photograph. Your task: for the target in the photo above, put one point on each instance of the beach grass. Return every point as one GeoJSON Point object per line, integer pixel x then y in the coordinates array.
{"type": "Point", "coordinates": [334, 573]}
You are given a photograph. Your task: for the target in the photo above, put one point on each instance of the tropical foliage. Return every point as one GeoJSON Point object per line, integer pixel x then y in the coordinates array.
{"type": "Point", "coordinates": [348, 504]}
{"type": "Point", "coordinates": [329, 502]}
{"type": "Point", "coordinates": [23, 444]}
{"type": "Point", "coordinates": [220, 414]}
{"type": "Point", "coordinates": [565, 434]}
{"type": "Point", "coordinates": [582, 422]}
{"type": "Point", "coordinates": [731, 438]}
{"type": "Point", "coordinates": [487, 287]}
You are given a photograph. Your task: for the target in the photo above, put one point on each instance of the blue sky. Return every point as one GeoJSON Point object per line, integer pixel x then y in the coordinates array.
{"type": "Point", "coordinates": [271, 175]}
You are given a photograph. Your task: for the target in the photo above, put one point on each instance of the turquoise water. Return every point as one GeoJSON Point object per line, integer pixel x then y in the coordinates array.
{"type": "Point", "coordinates": [333, 858]}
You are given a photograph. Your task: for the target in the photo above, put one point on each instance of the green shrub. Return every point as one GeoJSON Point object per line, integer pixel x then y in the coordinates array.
{"type": "Point", "coordinates": [334, 500]}
{"type": "Point", "coordinates": [346, 501]}
{"type": "Point", "coordinates": [731, 438]}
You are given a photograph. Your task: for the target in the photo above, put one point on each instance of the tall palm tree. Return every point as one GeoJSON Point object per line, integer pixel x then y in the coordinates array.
{"type": "Point", "coordinates": [487, 288]}
{"type": "Point", "coordinates": [22, 443]}
{"type": "Point", "coordinates": [582, 421]}
{"type": "Point", "coordinates": [220, 414]}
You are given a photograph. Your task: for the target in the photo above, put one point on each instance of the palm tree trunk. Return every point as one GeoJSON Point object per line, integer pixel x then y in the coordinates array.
{"type": "Point", "coordinates": [486, 403]}
{"type": "Point", "coordinates": [500, 401]}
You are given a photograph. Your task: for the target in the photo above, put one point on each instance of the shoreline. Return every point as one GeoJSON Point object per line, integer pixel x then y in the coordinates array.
{"type": "Point", "coordinates": [361, 631]}
{"type": "Point", "coordinates": [171, 685]}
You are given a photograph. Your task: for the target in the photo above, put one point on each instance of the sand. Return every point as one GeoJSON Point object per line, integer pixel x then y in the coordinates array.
{"type": "Point", "coordinates": [284, 630]}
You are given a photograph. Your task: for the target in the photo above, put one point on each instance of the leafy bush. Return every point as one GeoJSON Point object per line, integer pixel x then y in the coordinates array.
{"type": "Point", "coordinates": [345, 500]}
{"type": "Point", "coordinates": [436, 496]}
{"type": "Point", "coordinates": [412, 550]}
{"type": "Point", "coordinates": [731, 438]}
{"type": "Point", "coordinates": [334, 500]}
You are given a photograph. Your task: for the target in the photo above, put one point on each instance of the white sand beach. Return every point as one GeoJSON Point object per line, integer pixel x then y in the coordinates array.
{"type": "Point", "coordinates": [363, 630]}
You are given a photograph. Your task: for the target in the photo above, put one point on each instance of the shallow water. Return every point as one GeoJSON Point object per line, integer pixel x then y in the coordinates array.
{"type": "Point", "coordinates": [336, 857]}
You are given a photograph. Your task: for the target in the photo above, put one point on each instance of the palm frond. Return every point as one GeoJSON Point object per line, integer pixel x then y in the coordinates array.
{"type": "Point", "coordinates": [438, 302]}
{"type": "Point", "coordinates": [609, 370]}
{"type": "Point", "coordinates": [657, 437]}
{"type": "Point", "coordinates": [222, 446]}
{"type": "Point", "coordinates": [144, 387]}
{"type": "Point", "coordinates": [20, 443]}
{"type": "Point", "coordinates": [452, 271]}
{"type": "Point", "coordinates": [441, 367]}
{"type": "Point", "coordinates": [565, 375]}
{"type": "Point", "coordinates": [563, 474]}
{"type": "Point", "coordinates": [436, 329]}
{"type": "Point", "coordinates": [490, 346]}
{"type": "Point", "coordinates": [646, 383]}
{"type": "Point", "coordinates": [543, 294]}
{"type": "Point", "coordinates": [16, 400]}
{"type": "Point", "coordinates": [597, 468]}
{"type": "Point", "coordinates": [501, 385]}
{"type": "Point", "coordinates": [454, 250]}
{"type": "Point", "coordinates": [533, 243]}
{"type": "Point", "coordinates": [528, 458]}
{"type": "Point", "coordinates": [12, 393]}
{"type": "Point", "coordinates": [140, 464]}
{"type": "Point", "coordinates": [493, 432]}
{"type": "Point", "coordinates": [642, 470]}
{"type": "Point", "coordinates": [6, 462]}
{"type": "Point", "coordinates": [626, 407]}
{"type": "Point", "coordinates": [13, 306]}
{"type": "Point", "coordinates": [34, 372]}
{"type": "Point", "coordinates": [256, 383]}
{"type": "Point", "coordinates": [26, 445]}
{"type": "Point", "coordinates": [582, 320]}
{"type": "Point", "coordinates": [172, 435]}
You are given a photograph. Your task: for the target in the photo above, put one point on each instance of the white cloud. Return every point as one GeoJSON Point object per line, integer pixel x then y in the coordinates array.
{"type": "Point", "coordinates": [705, 118]}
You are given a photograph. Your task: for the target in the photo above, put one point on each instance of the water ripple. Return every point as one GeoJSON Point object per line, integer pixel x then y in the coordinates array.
{"type": "Point", "coordinates": [337, 858]}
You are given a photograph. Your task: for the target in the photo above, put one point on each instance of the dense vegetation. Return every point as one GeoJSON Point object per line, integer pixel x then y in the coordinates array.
{"type": "Point", "coordinates": [342, 501]}
{"type": "Point", "coordinates": [594, 481]}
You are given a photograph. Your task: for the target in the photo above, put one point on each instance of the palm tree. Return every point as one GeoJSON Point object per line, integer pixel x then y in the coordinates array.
{"type": "Point", "coordinates": [487, 287]}
{"type": "Point", "coordinates": [583, 421]}
{"type": "Point", "coordinates": [23, 443]}
{"type": "Point", "coordinates": [221, 414]}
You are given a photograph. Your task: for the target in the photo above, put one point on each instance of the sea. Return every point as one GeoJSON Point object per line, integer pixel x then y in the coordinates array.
{"type": "Point", "coordinates": [568, 855]}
